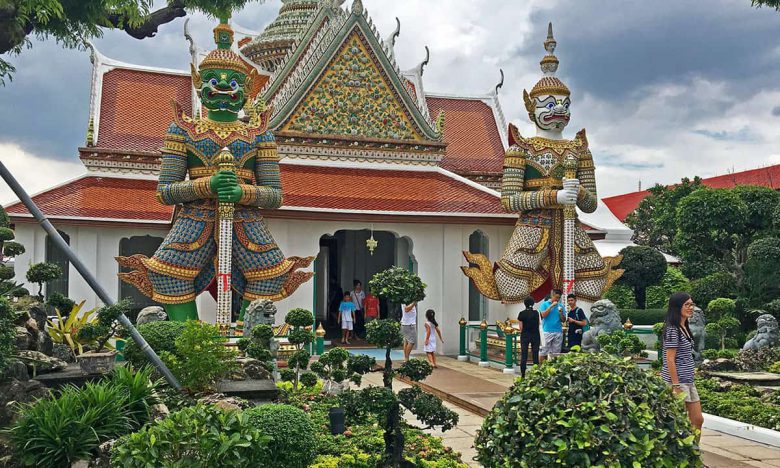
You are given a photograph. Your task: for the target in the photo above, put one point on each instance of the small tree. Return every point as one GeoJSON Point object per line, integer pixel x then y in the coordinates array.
{"type": "Point", "coordinates": [105, 327]}
{"type": "Point", "coordinates": [644, 267]}
{"type": "Point", "coordinates": [397, 286]}
{"type": "Point", "coordinates": [41, 273]}
{"type": "Point", "coordinates": [258, 345]}
{"type": "Point", "coordinates": [721, 307]}
{"type": "Point", "coordinates": [338, 365]}
{"type": "Point", "coordinates": [722, 329]}
{"type": "Point", "coordinates": [300, 335]}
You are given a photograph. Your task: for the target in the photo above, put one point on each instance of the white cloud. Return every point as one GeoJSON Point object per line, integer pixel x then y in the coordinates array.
{"type": "Point", "coordinates": [34, 173]}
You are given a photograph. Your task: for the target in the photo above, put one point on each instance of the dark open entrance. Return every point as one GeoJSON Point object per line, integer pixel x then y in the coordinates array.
{"type": "Point", "coordinates": [343, 258]}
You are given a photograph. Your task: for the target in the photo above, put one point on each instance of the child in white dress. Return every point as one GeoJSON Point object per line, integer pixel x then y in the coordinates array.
{"type": "Point", "coordinates": [431, 330]}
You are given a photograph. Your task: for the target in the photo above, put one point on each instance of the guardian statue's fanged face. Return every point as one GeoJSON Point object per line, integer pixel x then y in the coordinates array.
{"type": "Point", "coordinates": [551, 112]}
{"type": "Point", "coordinates": [222, 90]}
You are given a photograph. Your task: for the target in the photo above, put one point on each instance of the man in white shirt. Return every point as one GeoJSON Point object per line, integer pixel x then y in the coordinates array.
{"type": "Point", "coordinates": [358, 296]}
{"type": "Point", "coordinates": [409, 327]}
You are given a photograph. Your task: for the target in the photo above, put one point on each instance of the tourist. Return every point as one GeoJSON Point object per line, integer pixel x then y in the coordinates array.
{"type": "Point", "coordinates": [409, 327]}
{"type": "Point", "coordinates": [371, 305]}
{"type": "Point", "coordinates": [358, 297]}
{"type": "Point", "coordinates": [529, 334]}
{"type": "Point", "coordinates": [678, 364]}
{"type": "Point", "coordinates": [552, 316]}
{"type": "Point", "coordinates": [346, 317]}
{"type": "Point", "coordinates": [431, 330]}
{"type": "Point", "coordinates": [577, 322]}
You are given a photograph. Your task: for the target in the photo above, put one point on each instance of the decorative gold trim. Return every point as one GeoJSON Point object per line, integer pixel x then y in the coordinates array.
{"type": "Point", "coordinates": [164, 299]}
{"type": "Point", "coordinates": [202, 188]}
{"type": "Point", "coordinates": [260, 274]}
{"type": "Point", "coordinates": [163, 268]}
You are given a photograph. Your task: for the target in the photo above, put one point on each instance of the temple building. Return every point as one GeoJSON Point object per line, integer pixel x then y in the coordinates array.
{"type": "Point", "coordinates": [367, 153]}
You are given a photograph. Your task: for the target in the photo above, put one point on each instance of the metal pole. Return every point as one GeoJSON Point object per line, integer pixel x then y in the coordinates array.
{"type": "Point", "coordinates": [483, 345]}
{"type": "Point", "coordinates": [85, 273]}
{"type": "Point", "coordinates": [462, 356]}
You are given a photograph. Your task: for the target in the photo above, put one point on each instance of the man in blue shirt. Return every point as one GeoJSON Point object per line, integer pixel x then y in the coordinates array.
{"type": "Point", "coordinates": [552, 316]}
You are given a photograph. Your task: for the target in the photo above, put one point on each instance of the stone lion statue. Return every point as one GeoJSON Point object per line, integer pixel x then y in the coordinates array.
{"type": "Point", "coordinates": [697, 323]}
{"type": "Point", "coordinates": [260, 311]}
{"type": "Point", "coordinates": [767, 334]}
{"type": "Point", "coordinates": [604, 318]}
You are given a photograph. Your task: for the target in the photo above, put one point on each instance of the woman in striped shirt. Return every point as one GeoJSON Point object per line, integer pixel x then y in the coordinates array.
{"type": "Point", "coordinates": [678, 366]}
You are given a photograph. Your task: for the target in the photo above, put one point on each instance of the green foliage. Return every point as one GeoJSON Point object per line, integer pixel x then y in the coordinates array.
{"type": "Point", "coordinates": [713, 287]}
{"type": "Point", "coordinates": [12, 249]}
{"type": "Point", "coordinates": [643, 317]}
{"type": "Point", "coordinates": [673, 281]}
{"type": "Point", "coordinates": [6, 234]}
{"type": "Point", "coordinates": [160, 335]}
{"type": "Point", "coordinates": [299, 359]}
{"type": "Point", "coordinates": [720, 353]}
{"type": "Point", "coordinates": [720, 307]}
{"type": "Point", "coordinates": [54, 432]}
{"type": "Point", "coordinates": [61, 303]}
{"type": "Point", "coordinates": [293, 443]}
{"type": "Point", "coordinates": [606, 411]}
{"type": "Point", "coordinates": [739, 402]}
{"type": "Point", "coordinates": [416, 369]}
{"type": "Point", "coordinates": [428, 408]}
{"type": "Point", "coordinates": [757, 360]}
{"type": "Point", "coordinates": [773, 308]}
{"type": "Point", "coordinates": [775, 368]}
{"type": "Point", "coordinates": [384, 333]}
{"type": "Point", "coordinates": [761, 203]}
{"type": "Point", "coordinates": [398, 286]}
{"type": "Point", "coordinates": [309, 380]}
{"type": "Point", "coordinates": [300, 336]}
{"type": "Point", "coordinates": [337, 364]}
{"type": "Point", "coordinates": [644, 267]}
{"type": "Point", "coordinates": [5, 221]}
{"type": "Point", "coordinates": [201, 358]}
{"type": "Point", "coordinates": [105, 327]}
{"type": "Point", "coordinates": [761, 283]}
{"type": "Point", "coordinates": [40, 273]}
{"type": "Point", "coordinates": [622, 296]}
{"type": "Point", "coordinates": [655, 220]}
{"type": "Point", "coordinates": [195, 436]}
{"type": "Point", "coordinates": [7, 333]}
{"type": "Point", "coordinates": [722, 329]}
{"type": "Point", "coordinates": [620, 343]}
{"type": "Point", "coordinates": [287, 375]}
{"type": "Point", "coordinates": [6, 273]}
{"type": "Point", "coordinates": [299, 318]}
{"type": "Point", "coordinates": [367, 404]}
{"type": "Point", "coordinates": [711, 225]}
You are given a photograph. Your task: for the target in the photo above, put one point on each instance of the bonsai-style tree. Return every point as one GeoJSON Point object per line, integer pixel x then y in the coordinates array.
{"type": "Point", "coordinates": [644, 267]}
{"type": "Point", "coordinates": [397, 286]}
{"type": "Point", "coordinates": [8, 250]}
{"type": "Point", "coordinates": [41, 273]}
{"type": "Point", "coordinates": [722, 329]}
{"type": "Point", "coordinates": [61, 303]}
{"type": "Point", "coordinates": [300, 335]}
{"type": "Point", "coordinates": [338, 365]}
{"type": "Point", "coordinates": [258, 345]}
{"type": "Point", "coordinates": [105, 327]}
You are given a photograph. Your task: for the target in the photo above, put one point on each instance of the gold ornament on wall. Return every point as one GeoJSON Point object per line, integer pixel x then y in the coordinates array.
{"type": "Point", "coordinates": [371, 243]}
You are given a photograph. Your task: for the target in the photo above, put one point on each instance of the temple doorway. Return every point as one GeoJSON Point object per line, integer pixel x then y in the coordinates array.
{"type": "Point", "coordinates": [343, 258]}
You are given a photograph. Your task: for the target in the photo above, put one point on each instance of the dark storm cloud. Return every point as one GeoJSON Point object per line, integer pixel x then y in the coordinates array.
{"type": "Point", "coordinates": [776, 111]}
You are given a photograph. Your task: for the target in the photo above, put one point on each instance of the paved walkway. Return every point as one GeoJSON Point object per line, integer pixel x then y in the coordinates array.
{"type": "Point", "coordinates": [472, 391]}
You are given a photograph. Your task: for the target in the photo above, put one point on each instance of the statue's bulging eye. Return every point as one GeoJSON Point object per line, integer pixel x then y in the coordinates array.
{"type": "Point", "coordinates": [213, 82]}
{"type": "Point", "coordinates": [234, 84]}
{"type": "Point", "coordinates": [550, 105]}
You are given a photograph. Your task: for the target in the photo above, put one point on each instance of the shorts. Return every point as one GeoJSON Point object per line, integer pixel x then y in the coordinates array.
{"type": "Point", "coordinates": [691, 394]}
{"type": "Point", "coordinates": [553, 342]}
{"type": "Point", "coordinates": [410, 333]}
{"type": "Point", "coordinates": [346, 325]}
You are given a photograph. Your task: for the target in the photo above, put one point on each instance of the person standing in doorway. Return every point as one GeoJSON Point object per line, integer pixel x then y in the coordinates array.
{"type": "Point", "coordinates": [371, 304]}
{"type": "Point", "coordinates": [358, 298]}
{"type": "Point", "coordinates": [577, 322]}
{"type": "Point", "coordinates": [409, 327]}
{"type": "Point", "coordinates": [431, 330]}
{"type": "Point", "coordinates": [529, 334]}
{"type": "Point", "coordinates": [678, 365]}
{"type": "Point", "coordinates": [552, 316]}
{"type": "Point", "coordinates": [346, 318]}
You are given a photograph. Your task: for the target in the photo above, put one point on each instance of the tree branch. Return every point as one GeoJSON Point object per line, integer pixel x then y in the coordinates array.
{"type": "Point", "coordinates": [153, 21]}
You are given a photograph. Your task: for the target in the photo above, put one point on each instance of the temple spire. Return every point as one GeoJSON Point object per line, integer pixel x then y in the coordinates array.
{"type": "Point", "coordinates": [549, 63]}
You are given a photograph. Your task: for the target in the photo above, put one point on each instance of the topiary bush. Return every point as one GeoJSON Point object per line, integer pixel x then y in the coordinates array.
{"type": "Point", "coordinates": [398, 286]}
{"type": "Point", "coordinates": [293, 443]}
{"type": "Point", "coordinates": [161, 337]}
{"type": "Point", "coordinates": [621, 343]}
{"type": "Point", "coordinates": [588, 410]}
{"type": "Point", "coordinates": [719, 308]}
{"type": "Point", "coordinates": [201, 358]}
{"type": "Point", "coordinates": [195, 436]}
{"type": "Point", "coordinates": [7, 333]}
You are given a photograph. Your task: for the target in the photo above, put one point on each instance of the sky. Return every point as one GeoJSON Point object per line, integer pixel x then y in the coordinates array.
{"type": "Point", "coordinates": [666, 89]}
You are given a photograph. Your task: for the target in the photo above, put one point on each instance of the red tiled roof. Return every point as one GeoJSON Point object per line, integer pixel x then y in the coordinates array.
{"type": "Point", "coordinates": [135, 108]}
{"type": "Point", "coordinates": [622, 205]}
{"type": "Point", "coordinates": [332, 188]}
{"type": "Point", "coordinates": [382, 190]}
{"type": "Point", "coordinates": [471, 133]}
{"type": "Point", "coordinates": [102, 198]}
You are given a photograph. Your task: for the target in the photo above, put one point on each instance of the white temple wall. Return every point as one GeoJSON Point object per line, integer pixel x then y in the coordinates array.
{"type": "Point", "coordinates": [437, 248]}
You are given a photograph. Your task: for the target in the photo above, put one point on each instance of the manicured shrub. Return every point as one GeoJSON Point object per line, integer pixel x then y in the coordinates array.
{"type": "Point", "coordinates": [398, 286]}
{"type": "Point", "coordinates": [201, 358]}
{"type": "Point", "coordinates": [643, 317]}
{"type": "Point", "coordinates": [293, 443]}
{"type": "Point", "coordinates": [195, 436]}
{"type": "Point", "coordinates": [61, 303]}
{"type": "Point", "coordinates": [7, 333]}
{"type": "Point", "coordinates": [161, 337]}
{"type": "Point", "coordinates": [620, 343]}
{"type": "Point", "coordinates": [719, 308]}
{"type": "Point", "coordinates": [740, 402]}
{"type": "Point", "coordinates": [587, 410]}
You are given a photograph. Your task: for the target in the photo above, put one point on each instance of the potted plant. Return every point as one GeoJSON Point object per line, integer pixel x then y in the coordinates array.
{"type": "Point", "coordinates": [100, 359]}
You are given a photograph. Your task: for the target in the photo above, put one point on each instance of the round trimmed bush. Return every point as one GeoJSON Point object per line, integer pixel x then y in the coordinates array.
{"type": "Point", "coordinates": [587, 410]}
{"type": "Point", "coordinates": [294, 442]}
{"type": "Point", "coordinates": [160, 335]}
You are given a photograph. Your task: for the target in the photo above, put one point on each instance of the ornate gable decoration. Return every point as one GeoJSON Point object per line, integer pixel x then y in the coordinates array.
{"type": "Point", "coordinates": [353, 97]}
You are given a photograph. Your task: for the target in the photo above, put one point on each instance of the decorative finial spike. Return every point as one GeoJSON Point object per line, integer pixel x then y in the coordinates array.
{"type": "Point", "coordinates": [357, 7]}
{"type": "Point", "coordinates": [500, 83]}
{"type": "Point", "coordinates": [549, 63]}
